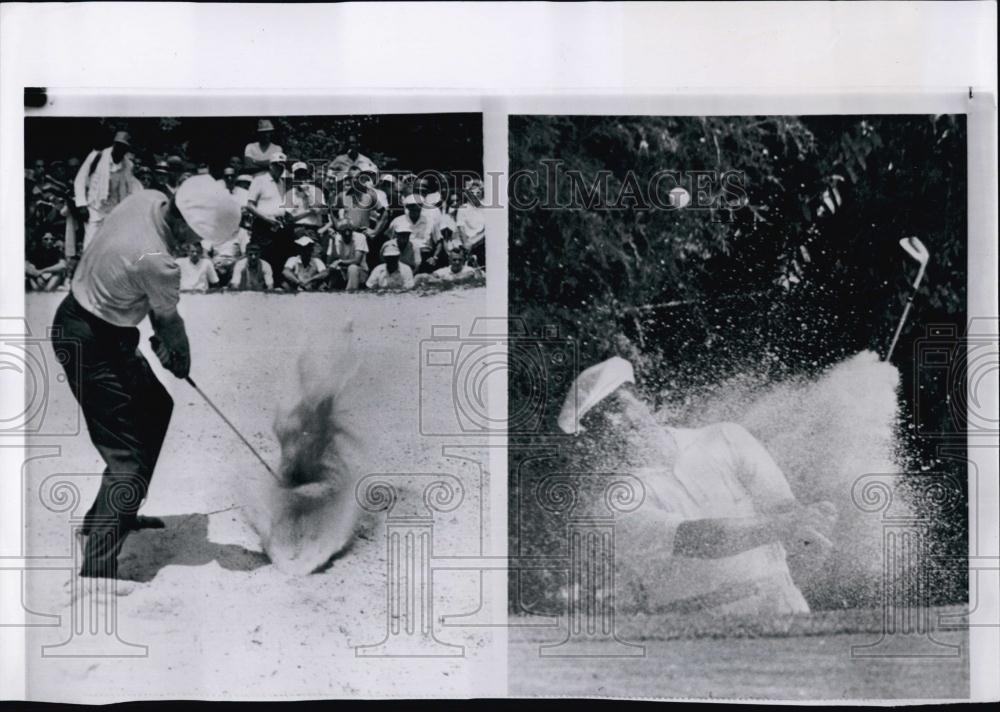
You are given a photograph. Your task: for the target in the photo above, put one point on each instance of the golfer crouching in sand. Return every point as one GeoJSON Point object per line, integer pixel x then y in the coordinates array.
{"type": "Point", "coordinates": [711, 534]}
{"type": "Point", "coordinates": [128, 272]}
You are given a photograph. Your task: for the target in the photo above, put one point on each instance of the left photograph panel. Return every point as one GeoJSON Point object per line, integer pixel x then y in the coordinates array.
{"type": "Point", "coordinates": [234, 353]}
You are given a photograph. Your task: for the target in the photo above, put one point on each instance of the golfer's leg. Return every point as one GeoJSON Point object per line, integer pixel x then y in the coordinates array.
{"type": "Point", "coordinates": [114, 418]}
{"type": "Point", "coordinates": [156, 409]}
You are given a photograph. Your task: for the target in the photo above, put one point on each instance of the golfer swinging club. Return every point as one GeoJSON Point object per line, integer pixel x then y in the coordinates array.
{"type": "Point", "coordinates": [718, 514]}
{"type": "Point", "coordinates": [128, 272]}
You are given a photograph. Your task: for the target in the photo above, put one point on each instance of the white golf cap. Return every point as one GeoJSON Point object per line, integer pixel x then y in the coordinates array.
{"type": "Point", "coordinates": [303, 241]}
{"type": "Point", "coordinates": [411, 199]}
{"type": "Point", "coordinates": [208, 209]}
{"type": "Point", "coordinates": [432, 200]}
{"type": "Point", "coordinates": [390, 249]}
{"type": "Point", "coordinates": [590, 388]}
{"type": "Point", "coordinates": [300, 166]}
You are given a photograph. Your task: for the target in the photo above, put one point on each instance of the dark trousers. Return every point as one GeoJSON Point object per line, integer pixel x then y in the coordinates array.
{"type": "Point", "coordinates": [276, 246]}
{"type": "Point", "coordinates": [127, 411]}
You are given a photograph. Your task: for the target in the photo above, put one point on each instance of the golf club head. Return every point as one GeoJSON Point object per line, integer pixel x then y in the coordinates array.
{"type": "Point", "coordinates": [915, 249]}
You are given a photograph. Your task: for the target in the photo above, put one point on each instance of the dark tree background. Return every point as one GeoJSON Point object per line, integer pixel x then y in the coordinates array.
{"type": "Point", "coordinates": [404, 142]}
{"type": "Point", "coordinates": [808, 271]}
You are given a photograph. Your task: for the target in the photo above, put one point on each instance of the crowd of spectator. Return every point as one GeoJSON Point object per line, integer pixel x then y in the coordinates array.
{"type": "Point", "coordinates": [322, 225]}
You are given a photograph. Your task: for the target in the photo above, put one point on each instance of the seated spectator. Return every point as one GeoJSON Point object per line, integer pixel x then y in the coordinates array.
{"type": "Point", "coordinates": [472, 222]}
{"type": "Point", "coordinates": [417, 225]}
{"type": "Point", "coordinates": [408, 255]}
{"type": "Point", "coordinates": [348, 266]}
{"type": "Point", "coordinates": [391, 274]}
{"type": "Point", "coordinates": [457, 269]}
{"type": "Point", "coordinates": [45, 268]}
{"type": "Point", "coordinates": [251, 273]}
{"type": "Point", "coordinates": [197, 273]}
{"type": "Point", "coordinates": [305, 271]}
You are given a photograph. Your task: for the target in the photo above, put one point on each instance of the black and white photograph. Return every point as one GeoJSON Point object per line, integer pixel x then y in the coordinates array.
{"type": "Point", "coordinates": [232, 313]}
{"type": "Point", "coordinates": [586, 351]}
{"type": "Point", "coordinates": [728, 479]}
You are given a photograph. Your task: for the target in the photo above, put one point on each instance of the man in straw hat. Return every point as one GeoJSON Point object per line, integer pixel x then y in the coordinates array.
{"type": "Point", "coordinates": [104, 180]}
{"type": "Point", "coordinates": [258, 154]}
{"type": "Point", "coordinates": [127, 273]}
{"type": "Point", "coordinates": [718, 511]}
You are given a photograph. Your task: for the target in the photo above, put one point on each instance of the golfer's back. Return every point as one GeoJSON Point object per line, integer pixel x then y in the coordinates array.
{"type": "Point", "coordinates": [127, 269]}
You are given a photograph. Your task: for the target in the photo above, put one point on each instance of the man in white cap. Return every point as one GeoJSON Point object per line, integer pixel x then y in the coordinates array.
{"type": "Point", "coordinates": [391, 274]}
{"type": "Point", "coordinates": [258, 154]}
{"type": "Point", "coordinates": [104, 180]}
{"type": "Point", "coordinates": [718, 513]}
{"type": "Point", "coordinates": [305, 271]}
{"type": "Point", "coordinates": [127, 273]}
{"type": "Point", "coordinates": [266, 203]}
{"type": "Point", "coordinates": [415, 223]}
{"type": "Point", "coordinates": [305, 200]}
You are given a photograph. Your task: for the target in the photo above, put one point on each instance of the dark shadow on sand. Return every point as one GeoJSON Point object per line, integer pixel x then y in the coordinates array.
{"type": "Point", "coordinates": [183, 542]}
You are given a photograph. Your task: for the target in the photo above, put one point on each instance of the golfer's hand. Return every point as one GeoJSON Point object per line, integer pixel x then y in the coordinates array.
{"type": "Point", "coordinates": [807, 528]}
{"type": "Point", "coordinates": [84, 213]}
{"type": "Point", "coordinates": [178, 362]}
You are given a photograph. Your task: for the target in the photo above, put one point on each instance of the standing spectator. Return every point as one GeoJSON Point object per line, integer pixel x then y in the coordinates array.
{"type": "Point", "coordinates": [252, 273]}
{"type": "Point", "coordinates": [197, 273]}
{"type": "Point", "coordinates": [471, 222]}
{"type": "Point", "coordinates": [305, 200]}
{"type": "Point", "coordinates": [391, 274]}
{"type": "Point", "coordinates": [265, 202]}
{"type": "Point", "coordinates": [349, 266]}
{"type": "Point", "coordinates": [45, 268]}
{"type": "Point", "coordinates": [104, 180]}
{"type": "Point", "coordinates": [352, 158]}
{"type": "Point", "coordinates": [259, 154]}
{"type": "Point", "coordinates": [305, 271]}
{"type": "Point", "coordinates": [358, 202]}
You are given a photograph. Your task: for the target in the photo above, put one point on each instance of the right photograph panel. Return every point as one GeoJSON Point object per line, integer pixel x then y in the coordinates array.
{"type": "Point", "coordinates": [737, 466]}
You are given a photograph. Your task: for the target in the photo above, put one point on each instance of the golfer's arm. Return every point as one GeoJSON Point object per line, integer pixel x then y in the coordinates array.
{"type": "Point", "coordinates": [169, 327]}
{"type": "Point", "coordinates": [717, 538]}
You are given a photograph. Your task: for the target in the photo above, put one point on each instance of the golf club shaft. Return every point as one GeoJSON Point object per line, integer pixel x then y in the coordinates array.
{"type": "Point", "coordinates": [231, 426]}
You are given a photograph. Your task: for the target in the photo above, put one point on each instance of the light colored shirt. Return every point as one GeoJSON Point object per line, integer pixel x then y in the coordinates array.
{"type": "Point", "coordinates": [472, 223]}
{"type": "Point", "coordinates": [101, 184]}
{"type": "Point", "coordinates": [254, 152]}
{"type": "Point", "coordinates": [255, 279]}
{"type": "Point", "coordinates": [127, 269]}
{"type": "Point", "coordinates": [197, 277]}
{"type": "Point", "coordinates": [358, 209]}
{"type": "Point", "coordinates": [307, 271]}
{"type": "Point", "coordinates": [720, 471]}
{"type": "Point", "coordinates": [303, 197]}
{"type": "Point", "coordinates": [348, 251]}
{"type": "Point", "coordinates": [381, 279]}
{"type": "Point", "coordinates": [421, 231]}
{"type": "Point", "coordinates": [447, 275]}
{"type": "Point", "coordinates": [267, 194]}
